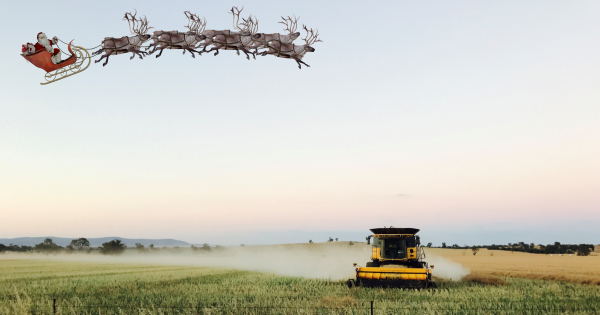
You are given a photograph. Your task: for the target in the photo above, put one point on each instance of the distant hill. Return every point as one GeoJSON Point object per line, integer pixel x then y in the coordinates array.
{"type": "Point", "coordinates": [64, 241]}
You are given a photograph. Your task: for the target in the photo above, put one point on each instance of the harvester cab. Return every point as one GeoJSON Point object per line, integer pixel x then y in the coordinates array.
{"type": "Point", "coordinates": [396, 261]}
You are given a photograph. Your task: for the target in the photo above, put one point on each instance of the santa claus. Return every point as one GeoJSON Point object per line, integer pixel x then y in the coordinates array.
{"type": "Point", "coordinates": [45, 43]}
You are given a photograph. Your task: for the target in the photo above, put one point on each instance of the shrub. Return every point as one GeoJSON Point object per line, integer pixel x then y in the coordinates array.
{"type": "Point", "coordinates": [81, 245]}
{"type": "Point", "coordinates": [47, 246]}
{"type": "Point", "coordinates": [114, 247]}
{"type": "Point", "coordinates": [583, 250]}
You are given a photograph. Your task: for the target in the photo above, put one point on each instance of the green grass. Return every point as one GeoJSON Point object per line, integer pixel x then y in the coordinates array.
{"type": "Point", "coordinates": [28, 287]}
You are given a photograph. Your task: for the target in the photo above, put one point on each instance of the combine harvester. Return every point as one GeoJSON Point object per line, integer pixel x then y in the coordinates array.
{"type": "Point", "coordinates": [397, 261]}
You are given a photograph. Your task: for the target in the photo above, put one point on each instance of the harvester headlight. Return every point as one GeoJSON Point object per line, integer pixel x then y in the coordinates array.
{"type": "Point", "coordinates": [354, 265]}
{"type": "Point", "coordinates": [431, 266]}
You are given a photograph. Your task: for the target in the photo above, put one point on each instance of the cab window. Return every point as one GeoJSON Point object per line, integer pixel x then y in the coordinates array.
{"type": "Point", "coordinates": [393, 248]}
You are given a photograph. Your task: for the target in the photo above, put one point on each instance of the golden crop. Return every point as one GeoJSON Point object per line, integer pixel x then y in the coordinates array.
{"type": "Point", "coordinates": [579, 269]}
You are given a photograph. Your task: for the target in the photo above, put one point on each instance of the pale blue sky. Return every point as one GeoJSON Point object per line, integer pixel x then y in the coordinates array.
{"type": "Point", "coordinates": [448, 116]}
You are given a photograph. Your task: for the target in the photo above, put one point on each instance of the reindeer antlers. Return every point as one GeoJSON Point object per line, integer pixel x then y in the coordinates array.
{"type": "Point", "coordinates": [201, 24]}
{"type": "Point", "coordinates": [311, 36]}
{"type": "Point", "coordinates": [251, 24]}
{"type": "Point", "coordinates": [290, 25]}
{"type": "Point", "coordinates": [128, 21]}
{"type": "Point", "coordinates": [142, 28]}
{"type": "Point", "coordinates": [236, 17]}
{"type": "Point", "coordinates": [198, 24]}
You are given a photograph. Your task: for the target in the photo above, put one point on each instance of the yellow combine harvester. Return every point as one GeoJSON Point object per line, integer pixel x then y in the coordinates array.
{"type": "Point", "coordinates": [397, 261]}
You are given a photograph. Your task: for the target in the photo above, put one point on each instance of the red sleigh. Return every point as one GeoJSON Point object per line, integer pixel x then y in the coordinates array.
{"type": "Point", "coordinates": [42, 59]}
{"type": "Point", "coordinates": [68, 67]}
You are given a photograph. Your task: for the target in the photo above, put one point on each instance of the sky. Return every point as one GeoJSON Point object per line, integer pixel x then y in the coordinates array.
{"type": "Point", "coordinates": [477, 122]}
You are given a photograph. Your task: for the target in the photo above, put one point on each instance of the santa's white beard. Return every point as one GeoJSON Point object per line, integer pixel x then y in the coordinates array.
{"type": "Point", "coordinates": [46, 43]}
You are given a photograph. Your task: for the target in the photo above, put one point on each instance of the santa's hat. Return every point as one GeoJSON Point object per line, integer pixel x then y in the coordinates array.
{"type": "Point", "coordinates": [38, 36]}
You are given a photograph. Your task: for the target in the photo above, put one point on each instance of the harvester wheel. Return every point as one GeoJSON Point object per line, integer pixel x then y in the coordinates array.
{"type": "Point", "coordinates": [350, 283]}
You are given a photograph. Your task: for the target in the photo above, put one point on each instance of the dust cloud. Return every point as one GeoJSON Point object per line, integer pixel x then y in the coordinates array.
{"type": "Point", "coordinates": [319, 260]}
{"type": "Point", "coordinates": [447, 269]}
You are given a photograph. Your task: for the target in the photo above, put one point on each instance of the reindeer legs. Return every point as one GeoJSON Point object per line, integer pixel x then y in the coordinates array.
{"type": "Point", "coordinates": [159, 54]}
{"type": "Point", "coordinates": [152, 46]}
{"type": "Point", "coordinates": [134, 52]}
{"type": "Point", "coordinates": [140, 54]}
{"type": "Point", "coordinates": [245, 52]}
{"type": "Point", "coordinates": [153, 50]}
{"type": "Point", "coordinates": [299, 62]}
{"type": "Point", "coordinates": [99, 51]}
{"type": "Point", "coordinates": [191, 50]}
{"type": "Point", "coordinates": [207, 42]}
{"type": "Point", "coordinates": [104, 56]}
{"type": "Point", "coordinates": [215, 48]}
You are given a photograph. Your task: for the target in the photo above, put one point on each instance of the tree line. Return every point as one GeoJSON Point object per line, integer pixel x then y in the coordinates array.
{"type": "Point", "coordinates": [556, 248]}
{"type": "Point", "coordinates": [82, 245]}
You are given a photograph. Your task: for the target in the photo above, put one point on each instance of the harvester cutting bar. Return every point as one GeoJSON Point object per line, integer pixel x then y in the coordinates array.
{"type": "Point", "coordinates": [409, 284]}
{"type": "Point", "coordinates": [394, 277]}
{"type": "Point", "coordinates": [393, 273]}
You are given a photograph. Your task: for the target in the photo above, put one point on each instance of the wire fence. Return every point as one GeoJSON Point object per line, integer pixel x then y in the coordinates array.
{"type": "Point", "coordinates": [369, 308]}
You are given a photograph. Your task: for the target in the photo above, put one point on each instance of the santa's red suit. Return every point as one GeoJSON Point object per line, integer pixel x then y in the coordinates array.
{"type": "Point", "coordinates": [45, 43]}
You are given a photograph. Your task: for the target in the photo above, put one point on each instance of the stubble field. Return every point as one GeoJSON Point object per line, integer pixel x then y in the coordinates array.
{"type": "Point", "coordinates": [30, 283]}
{"type": "Point", "coordinates": [578, 269]}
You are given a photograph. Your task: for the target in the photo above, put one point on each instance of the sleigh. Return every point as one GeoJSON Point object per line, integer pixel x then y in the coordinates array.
{"type": "Point", "coordinates": [66, 68]}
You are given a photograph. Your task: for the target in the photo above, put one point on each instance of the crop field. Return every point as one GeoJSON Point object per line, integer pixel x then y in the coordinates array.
{"type": "Point", "coordinates": [29, 286]}
{"type": "Point", "coordinates": [578, 269]}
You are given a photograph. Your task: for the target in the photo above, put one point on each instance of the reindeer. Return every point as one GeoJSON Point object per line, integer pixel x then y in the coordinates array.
{"type": "Point", "coordinates": [185, 41]}
{"type": "Point", "coordinates": [293, 51]}
{"type": "Point", "coordinates": [237, 42]}
{"type": "Point", "coordinates": [125, 44]}
{"type": "Point", "coordinates": [156, 35]}
{"type": "Point", "coordinates": [290, 26]}
{"type": "Point", "coordinates": [210, 34]}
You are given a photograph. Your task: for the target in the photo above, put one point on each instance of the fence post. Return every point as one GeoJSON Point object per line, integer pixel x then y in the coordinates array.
{"type": "Point", "coordinates": [371, 307]}
{"type": "Point", "coordinates": [53, 306]}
